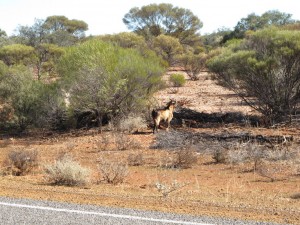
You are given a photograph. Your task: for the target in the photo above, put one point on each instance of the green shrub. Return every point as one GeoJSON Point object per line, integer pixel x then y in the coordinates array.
{"type": "Point", "coordinates": [108, 79]}
{"type": "Point", "coordinates": [178, 80]}
{"type": "Point", "coordinates": [263, 69]}
{"type": "Point", "coordinates": [21, 92]}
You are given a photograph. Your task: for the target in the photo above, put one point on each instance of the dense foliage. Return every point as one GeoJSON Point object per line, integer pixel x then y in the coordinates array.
{"type": "Point", "coordinates": [21, 92]}
{"type": "Point", "coordinates": [57, 30]}
{"type": "Point", "coordinates": [255, 22]}
{"type": "Point", "coordinates": [156, 19]}
{"type": "Point", "coordinates": [50, 73]}
{"type": "Point", "coordinates": [107, 79]}
{"type": "Point", "coordinates": [264, 69]}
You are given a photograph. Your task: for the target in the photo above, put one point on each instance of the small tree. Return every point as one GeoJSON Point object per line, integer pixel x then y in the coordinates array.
{"type": "Point", "coordinates": [264, 70]}
{"type": "Point", "coordinates": [193, 64]}
{"type": "Point", "coordinates": [169, 48]}
{"type": "Point", "coordinates": [255, 22]}
{"type": "Point", "coordinates": [57, 30]}
{"type": "Point", "coordinates": [21, 92]}
{"type": "Point", "coordinates": [107, 79]}
{"type": "Point", "coordinates": [156, 19]}
{"type": "Point", "coordinates": [53, 111]}
{"type": "Point", "coordinates": [46, 55]}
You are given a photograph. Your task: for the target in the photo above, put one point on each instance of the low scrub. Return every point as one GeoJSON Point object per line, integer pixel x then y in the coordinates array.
{"type": "Point", "coordinates": [185, 158]}
{"type": "Point", "coordinates": [219, 155]}
{"type": "Point", "coordinates": [132, 123]}
{"type": "Point", "coordinates": [180, 159]}
{"type": "Point", "coordinates": [178, 80]}
{"type": "Point", "coordinates": [135, 159]}
{"type": "Point", "coordinates": [113, 171]}
{"type": "Point", "coordinates": [167, 188]}
{"type": "Point", "coordinates": [124, 142]}
{"type": "Point", "coordinates": [296, 196]}
{"type": "Point", "coordinates": [20, 162]}
{"type": "Point", "coordinates": [66, 171]}
{"type": "Point", "coordinates": [171, 140]}
{"type": "Point", "coordinates": [117, 141]}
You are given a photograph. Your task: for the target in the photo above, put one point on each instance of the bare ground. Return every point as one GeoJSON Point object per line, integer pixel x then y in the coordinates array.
{"type": "Point", "coordinates": [206, 188]}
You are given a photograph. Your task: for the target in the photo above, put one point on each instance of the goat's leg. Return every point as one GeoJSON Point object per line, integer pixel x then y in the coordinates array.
{"type": "Point", "coordinates": [155, 127]}
{"type": "Point", "coordinates": [169, 125]}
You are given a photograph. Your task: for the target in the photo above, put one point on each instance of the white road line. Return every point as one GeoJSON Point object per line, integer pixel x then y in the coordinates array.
{"type": "Point", "coordinates": [100, 214]}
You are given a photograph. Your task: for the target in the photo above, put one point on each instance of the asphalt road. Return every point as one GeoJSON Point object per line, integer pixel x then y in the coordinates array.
{"type": "Point", "coordinates": [31, 212]}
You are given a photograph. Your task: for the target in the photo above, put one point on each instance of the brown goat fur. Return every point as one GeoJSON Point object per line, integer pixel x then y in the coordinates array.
{"type": "Point", "coordinates": [165, 114]}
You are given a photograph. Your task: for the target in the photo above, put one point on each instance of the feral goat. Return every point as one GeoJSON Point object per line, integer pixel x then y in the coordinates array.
{"type": "Point", "coordinates": [165, 114]}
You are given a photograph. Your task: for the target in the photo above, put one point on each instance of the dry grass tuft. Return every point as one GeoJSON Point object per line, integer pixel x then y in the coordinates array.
{"type": "Point", "coordinates": [66, 171]}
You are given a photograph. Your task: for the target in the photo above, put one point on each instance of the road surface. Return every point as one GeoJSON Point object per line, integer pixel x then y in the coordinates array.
{"type": "Point", "coordinates": [32, 212]}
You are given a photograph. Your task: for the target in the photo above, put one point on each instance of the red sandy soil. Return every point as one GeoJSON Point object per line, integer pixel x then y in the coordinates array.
{"type": "Point", "coordinates": [206, 188]}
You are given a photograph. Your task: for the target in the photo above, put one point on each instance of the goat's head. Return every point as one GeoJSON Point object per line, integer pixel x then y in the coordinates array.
{"type": "Point", "coordinates": [172, 103]}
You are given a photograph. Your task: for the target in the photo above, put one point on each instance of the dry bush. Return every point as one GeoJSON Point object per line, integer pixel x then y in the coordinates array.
{"type": "Point", "coordinates": [237, 155]}
{"type": "Point", "coordinates": [220, 155]}
{"type": "Point", "coordinates": [116, 141]}
{"type": "Point", "coordinates": [295, 162]}
{"type": "Point", "coordinates": [255, 153]}
{"type": "Point", "coordinates": [66, 171]}
{"type": "Point", "coordinates": [20, 162]}
{"type": "Point", "coordinates": [171, 140]}
{"type": "Point", "coordinates": [268, 170]}
{"type": "Point", "coordinates": [4, 143]}
{"type": "Point", "coordinates": [124, 142]}
{"type": "Point", "coordinates": [184, 102]}
{"type": "Point", "coordinates": [168, 160]}
{"type": "Point", "coordinates": [132, 123]}
{"type": "Point", "coordinates": [103, 144]}
{"type": "Point", "coordinates": [135, 159]}
{"type": "Point", "coordinates": [217, 149]}
{"type": "Point", "coordinates": [167, 188]}
{"type": "Point", "coordinates": [180, 159]}
{"type": "Point", "coordinates": [246, 152]}
{"type": "Point", "coordinates": [286, 151]}
{"type": "Point", "coordinates": [265, 161]}
{"type": "Point", "coordinates": [276, 155]}
{"type": "Point", "coordinates": [185, 158]}
{"type": "Point", "coordinates": [70, 145]}
{"type": "Point", "coordinates": [113, 171]}
{"type": "Point", "coordinates": [173, 91]}
{"type": "Point", "coordinates": [295, 196]}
